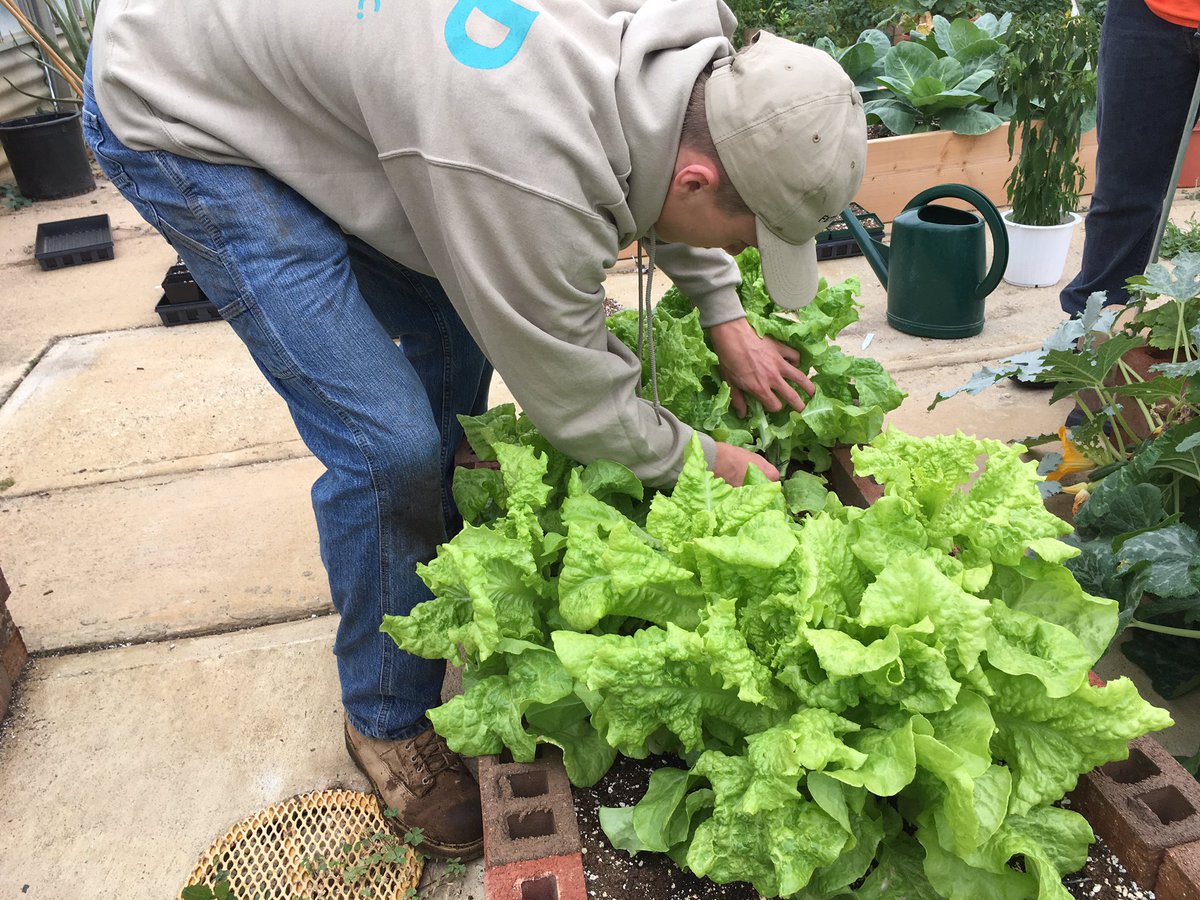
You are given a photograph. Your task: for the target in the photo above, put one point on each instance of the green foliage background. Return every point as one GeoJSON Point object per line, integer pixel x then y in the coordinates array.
{"type": "Point", "coordinates": [843, 20]}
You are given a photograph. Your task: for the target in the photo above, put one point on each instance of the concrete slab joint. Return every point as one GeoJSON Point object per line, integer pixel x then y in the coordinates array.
{"type": "Point", "coordinates": [1143, 807]}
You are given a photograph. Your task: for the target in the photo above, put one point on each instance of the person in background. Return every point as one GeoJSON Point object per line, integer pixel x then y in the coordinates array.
{"type": "Point", "coordinates": [1147, 70]}
{"type": "Point", "coordinates": [384, 203]}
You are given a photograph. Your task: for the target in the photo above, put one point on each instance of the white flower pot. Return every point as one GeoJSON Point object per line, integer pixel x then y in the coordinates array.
{"type": "Point", "coordinates": [1037, 254]}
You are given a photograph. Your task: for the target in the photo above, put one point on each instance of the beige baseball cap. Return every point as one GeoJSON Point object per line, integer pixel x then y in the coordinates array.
{"type": "Point", "coordinates": [790, 130]}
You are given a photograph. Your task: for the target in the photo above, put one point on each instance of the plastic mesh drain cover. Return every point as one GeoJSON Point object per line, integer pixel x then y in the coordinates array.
{"type": "Point", "coordinates": [271, 854]}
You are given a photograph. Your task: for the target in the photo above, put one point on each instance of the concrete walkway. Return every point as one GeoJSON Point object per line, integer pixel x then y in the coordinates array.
{"type": "Point", "coordinates": [182, 674]}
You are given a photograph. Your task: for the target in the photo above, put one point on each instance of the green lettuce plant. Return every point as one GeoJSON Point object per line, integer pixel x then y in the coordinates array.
{"type": "Point", "coordinates": [853, 394]}
{"type": "Point", "coordinates": [1137, 511]}
{"type": "Point", "coordinates": [897, 694]}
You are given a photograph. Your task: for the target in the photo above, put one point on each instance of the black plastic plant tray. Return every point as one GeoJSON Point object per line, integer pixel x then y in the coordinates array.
{"type": "Point", "coordinates": [843, 249]}
{"type": "Point", "coordinates": [179, 286]}
{"type": "Point", "coordinates": [73, 242]}
{"type": "Point", "coordinates": [186, 313]}
{"type": "Point", "coordinates": [837, 249]}
{"type": "Point", "coordinates": [838, 230]}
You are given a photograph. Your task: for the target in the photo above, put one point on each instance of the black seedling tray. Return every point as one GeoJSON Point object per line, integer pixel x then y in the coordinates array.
{"type": "Point", "coordinates": [186, 313]}
{"type": "Point", "coordinates": [836, 242]}
{"type": "Point", "coordinates": [73, 242]}
{"type": "Point", "coordinates": [179, 286]}
{"type": "Point", "coordinates": [842, 249]}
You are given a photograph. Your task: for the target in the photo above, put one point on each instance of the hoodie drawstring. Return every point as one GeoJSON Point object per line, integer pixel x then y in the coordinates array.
{"type": "Point", "coordinates": [646, 315]}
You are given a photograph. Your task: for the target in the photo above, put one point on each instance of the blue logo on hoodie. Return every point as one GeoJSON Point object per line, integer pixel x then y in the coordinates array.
{"type": "Point", "coordinates": [468, 51]}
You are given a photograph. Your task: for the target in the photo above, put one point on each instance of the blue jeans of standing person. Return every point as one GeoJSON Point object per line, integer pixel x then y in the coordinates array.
{"type": "Point", "coordinates": [1146, 74]}
{"type": "Point", "coordinates": [319, 311]}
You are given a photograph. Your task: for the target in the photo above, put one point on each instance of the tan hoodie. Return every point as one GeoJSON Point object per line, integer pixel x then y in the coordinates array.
{"type": "Point", "coordinates": [508, 149]}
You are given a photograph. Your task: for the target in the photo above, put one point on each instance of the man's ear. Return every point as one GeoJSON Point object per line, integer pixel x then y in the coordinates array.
{"type": "Point", "coordinates": [695, 176]}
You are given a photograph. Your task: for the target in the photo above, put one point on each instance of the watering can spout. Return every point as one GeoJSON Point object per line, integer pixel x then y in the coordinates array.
{"type": "Point", "coordinates": [875, 252]}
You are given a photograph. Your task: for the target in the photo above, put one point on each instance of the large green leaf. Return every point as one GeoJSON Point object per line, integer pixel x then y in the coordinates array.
{"type": "Point", "coordinates": [488, 716]}
{"type": "Point", "coordinates": [1181, 280]}
{"type": "Point", "coordinates": [969, 121]}
{"type": "Point", "coordinates": [1174, 557]}
{"type": "Point", "coordinates": [954, 37]}
{"type": "Point", "coordinates": [905, 64]}
{"type": "Point", "coordinates": [1180, 450]}
{"type": "Point", "coordinates": [1075, 372]}
{"type": "Point", "coordinates": [979, 56]}
{"type": "Point", "coordinates": [1049, 742]}
{"type": "Point", "coordinates": [1120, 505]}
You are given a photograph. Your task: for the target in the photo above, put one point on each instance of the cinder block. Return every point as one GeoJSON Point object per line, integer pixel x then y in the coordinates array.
{"type": "Point", "coordinates": [12, 647]}
{"type": "Point", "coordinates": [1179, 875]}
{"type": "Point", "coordinates": [549, 878]}
{"type": "Point", "coordinates": [5, 694]}
{"type": "Point", "coordinates": [13, 655]}
{"type": "Point", "coordinates": [853, 490]}
{"type": "Point", "coordinates": [1142, 806]}
{"type": "Point", "coordinates": [528, 811]}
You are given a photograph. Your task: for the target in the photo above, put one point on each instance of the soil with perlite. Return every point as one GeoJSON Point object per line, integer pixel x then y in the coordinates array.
{"type": "Point", "coordinates": [612, 874]}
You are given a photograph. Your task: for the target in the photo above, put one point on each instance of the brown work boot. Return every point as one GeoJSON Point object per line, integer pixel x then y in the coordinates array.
{"type": "Point", "coordinates": [428, 786]}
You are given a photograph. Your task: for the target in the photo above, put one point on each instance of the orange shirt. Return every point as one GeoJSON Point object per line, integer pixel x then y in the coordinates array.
{"type": "Point", "coordinates": [1181, 12]}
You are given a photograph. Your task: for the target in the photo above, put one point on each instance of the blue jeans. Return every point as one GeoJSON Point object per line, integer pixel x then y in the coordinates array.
{"type": "Point", "coordinates": [319, 312]}
{"type": "Point", "coordinates": [1146, 74]}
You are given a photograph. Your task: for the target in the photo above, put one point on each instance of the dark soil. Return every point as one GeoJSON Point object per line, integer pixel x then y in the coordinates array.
{"type": "Point", "coordinates": [878, 131]}
{"type": "Point", "coordinates": [615, 875]}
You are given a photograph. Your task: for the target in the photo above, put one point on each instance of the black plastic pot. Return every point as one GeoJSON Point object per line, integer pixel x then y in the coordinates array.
{"type": "Point", "coordinates": [49, 160]}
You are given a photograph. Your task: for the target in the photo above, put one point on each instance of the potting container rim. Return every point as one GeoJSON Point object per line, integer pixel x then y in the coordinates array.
{"type": "Point", "coordinates": [1070, 220]}
{"type": "Point", "coordinates": [37, 119]}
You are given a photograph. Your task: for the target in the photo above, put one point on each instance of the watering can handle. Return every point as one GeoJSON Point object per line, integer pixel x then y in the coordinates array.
{"type": "Point", "coordinates": [991, 215]}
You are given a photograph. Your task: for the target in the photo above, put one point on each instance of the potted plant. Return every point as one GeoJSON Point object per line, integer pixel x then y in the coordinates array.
{"type": "Point", "coordinates": [1050, 81]}
{"type": "Point", "coordinates": [46, 150]}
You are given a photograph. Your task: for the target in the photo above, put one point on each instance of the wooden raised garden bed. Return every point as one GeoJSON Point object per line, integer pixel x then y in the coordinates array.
{"type": "Point", "coordinates": [899, 167]}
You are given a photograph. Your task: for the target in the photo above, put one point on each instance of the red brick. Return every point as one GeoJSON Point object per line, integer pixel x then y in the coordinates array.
{"type": "Point", "coordinates": [528, 810]}
{"type": "Point", "coordinates": [1142, 807]}
{"type": "Point", "coordinates": [548, 878]}
{"type": "Point", "coordinates": [1179, 875]}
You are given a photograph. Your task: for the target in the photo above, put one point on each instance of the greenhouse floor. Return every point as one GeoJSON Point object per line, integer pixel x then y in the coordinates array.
{"type": "Point", "coordinates": [181, 674]}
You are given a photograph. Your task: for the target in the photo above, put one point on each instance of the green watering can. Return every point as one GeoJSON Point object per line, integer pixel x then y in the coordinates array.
{"type": "Point", "coordinates": [936, 271]}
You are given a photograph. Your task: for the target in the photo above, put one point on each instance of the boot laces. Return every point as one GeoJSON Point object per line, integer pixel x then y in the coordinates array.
{"type": "Point", "coordinates": [430, 756]}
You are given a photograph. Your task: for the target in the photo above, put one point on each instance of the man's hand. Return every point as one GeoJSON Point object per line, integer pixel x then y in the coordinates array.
{"type": "Point", "coordinates": [732, 461]}
{"type": "Point", "coordinates": [761, 367]}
